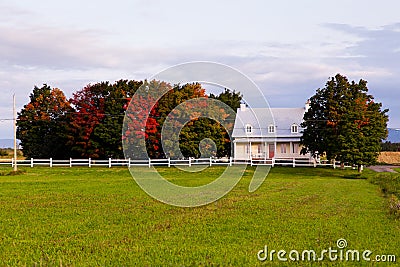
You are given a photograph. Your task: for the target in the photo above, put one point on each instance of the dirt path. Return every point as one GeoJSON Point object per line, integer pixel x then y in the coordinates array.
{"type": "Point", "coordinates": [383, 168]}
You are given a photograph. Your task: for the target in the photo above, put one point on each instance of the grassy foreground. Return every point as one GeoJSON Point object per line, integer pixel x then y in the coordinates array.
{"type": "Point", "coordinates": [99, 216]}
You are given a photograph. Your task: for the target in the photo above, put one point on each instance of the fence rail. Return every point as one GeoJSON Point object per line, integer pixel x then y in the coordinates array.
{"type": "Point", "coordinates": [294, 162]}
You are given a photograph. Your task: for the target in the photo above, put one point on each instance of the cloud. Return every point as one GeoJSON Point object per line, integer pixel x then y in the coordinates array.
{"type": "Point", "coordinates": [52, 48]}
{"type": "Point", "coordinates": [377, 47]}
{"type": "Point", "coordinates": [375, 57]}
{"type": "Point", "coordinates": [287, 73]}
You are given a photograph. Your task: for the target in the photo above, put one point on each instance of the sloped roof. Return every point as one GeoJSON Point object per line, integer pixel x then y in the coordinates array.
{"type": "Point", "coordinates": [261, 118]}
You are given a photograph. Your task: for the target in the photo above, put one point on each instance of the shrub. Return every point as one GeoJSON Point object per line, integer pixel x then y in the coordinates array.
{"type": "Point", "coordinates": [394, 205]}
{"type": "Point", "coordinates": [388, 182]}
{"type": "Point", "coordinates": [3, 152]}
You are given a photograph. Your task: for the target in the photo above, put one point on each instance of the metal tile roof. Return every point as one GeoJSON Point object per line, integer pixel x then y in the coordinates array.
{"type": "Point", "coordinates": [261, 118]}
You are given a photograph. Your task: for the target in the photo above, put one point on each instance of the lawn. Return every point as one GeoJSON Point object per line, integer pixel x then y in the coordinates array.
{"type": "Point", "coordinates": [99, 216]}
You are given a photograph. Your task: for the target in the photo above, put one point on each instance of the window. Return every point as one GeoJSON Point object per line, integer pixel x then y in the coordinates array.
{"type": "Point", "coordinates": [295, 148]}
{"type": "Point", "coordinates": [271, 129]}
{"type": "Point", "coordinates": [249, 128]}
{"type": "Point", "coordinates": [283, 148]}
{"type": "Point", "coordinates": [295, 128]}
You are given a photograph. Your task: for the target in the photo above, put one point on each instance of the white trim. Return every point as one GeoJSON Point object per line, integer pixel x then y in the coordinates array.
{"type": "Point", "coordinates": [294, 128]}
{"type": "Point", "coordinates": [248, 129]}
{"type": "Point", "coordinates": [271, 128]}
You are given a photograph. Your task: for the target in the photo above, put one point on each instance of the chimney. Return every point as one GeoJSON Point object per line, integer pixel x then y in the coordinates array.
{"type": "Point", "coordinates": [242, 107]}
{"type": "Point", "coordinates": [308, 105]}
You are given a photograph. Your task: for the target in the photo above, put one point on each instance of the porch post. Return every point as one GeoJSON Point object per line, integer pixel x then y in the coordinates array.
{"type": "Point", "coordinates": [250, 151]}
{"type": "Point", "coordinates": [234, 150]}
{"type": "Point", "coordinates": [265, 150]}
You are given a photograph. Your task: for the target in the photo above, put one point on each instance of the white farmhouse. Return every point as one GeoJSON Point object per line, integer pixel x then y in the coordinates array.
{"type": "Point", "coordinates": [266, 133]}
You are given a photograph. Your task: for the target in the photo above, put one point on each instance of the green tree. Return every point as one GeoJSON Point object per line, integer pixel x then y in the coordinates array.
{"type": "Point", "coordinates": [167, 103]}
{"type": "Point", "coordinates": [194, 132]}
{"type": "Point", "coordinates": [232, 99]}
{"type": "Point", "coordinates": [43, 123]}
{"type": "Point", "coordinates": [200, 135]}
{"type": "Point", "coordinates": [108, 133]}
{"type": "Point", "coordinates": [344, 123]}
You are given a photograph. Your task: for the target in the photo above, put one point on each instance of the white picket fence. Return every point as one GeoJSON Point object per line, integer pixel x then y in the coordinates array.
{"type": "Point", "coordinates": [169, 162]}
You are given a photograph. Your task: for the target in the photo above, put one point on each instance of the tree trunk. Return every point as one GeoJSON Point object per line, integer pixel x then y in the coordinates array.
{"type": "Point", "coordinates": [360, 168]}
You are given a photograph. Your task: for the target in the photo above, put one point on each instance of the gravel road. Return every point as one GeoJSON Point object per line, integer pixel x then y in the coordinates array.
{"type": "Point", "coordinates": [383, 168]}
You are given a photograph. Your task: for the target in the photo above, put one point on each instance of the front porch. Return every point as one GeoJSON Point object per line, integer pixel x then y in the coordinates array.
{"type": "Point", "coordinates": [267, 150]}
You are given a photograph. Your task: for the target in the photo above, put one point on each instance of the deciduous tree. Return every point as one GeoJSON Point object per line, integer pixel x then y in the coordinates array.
{"type": "Point", "coordinates": [43, 123]}
{"type": "Point", "coordinates": [97, 123]}
{"type": "Point", "coordinates": [344, 123]}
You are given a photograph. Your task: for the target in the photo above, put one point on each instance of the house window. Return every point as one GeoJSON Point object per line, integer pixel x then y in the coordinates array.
{"type": "Point", "coordinates": [295, 128]}
{"type": "Point", "coordinates": [295, 148]}
{"type": "Point", "coordinates": [247, 149]}
{"type": "Point", "coordinates": [249, 128]}
{"type": "Point", "coordinates": [283, 148]}
{"type": "Point", "coordinates": [271, 129]}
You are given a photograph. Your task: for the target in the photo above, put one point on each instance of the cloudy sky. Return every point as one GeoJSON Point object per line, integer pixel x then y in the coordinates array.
{"type": "Point", "coordinates": [288, 48]}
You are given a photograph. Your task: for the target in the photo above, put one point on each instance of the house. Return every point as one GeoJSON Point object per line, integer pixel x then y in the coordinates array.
{"type": "Point", "coordinates": [266, 133]}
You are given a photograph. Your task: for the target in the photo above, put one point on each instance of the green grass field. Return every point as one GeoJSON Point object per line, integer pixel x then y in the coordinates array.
{"type": "Point", "coordinates": [100, 217]}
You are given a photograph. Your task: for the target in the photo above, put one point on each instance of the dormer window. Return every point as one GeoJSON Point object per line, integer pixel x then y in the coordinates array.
{"type": "Point", "coordinates": [249, 128]}
{"type": "Point", "coordinates": [271, 129]}
{"type": "Point", "coordinates": [295, 128]}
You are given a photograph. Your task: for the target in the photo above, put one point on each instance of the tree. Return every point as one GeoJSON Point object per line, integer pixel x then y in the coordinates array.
{"type": "Point", "coordinates": [90, 112]}
{"type": "Point", "coordinates": [140, 135]}
{"type": "Point", "coordinates": [97, 124]}
{"type": "Point", "coordinates": [108, 133]}
{"type": "Point", "coordinates": [344, 123]}
{"type": "Point", "coordinates": [232, 99]}
{"type": "Point", "coordinates": [194, 125]}
{"type": "Point", "coordinates": [43, 123]}
{"type": "Point", "coordinates": [167, 103]}
{"type": "Point", "coordinates": [389, 146]}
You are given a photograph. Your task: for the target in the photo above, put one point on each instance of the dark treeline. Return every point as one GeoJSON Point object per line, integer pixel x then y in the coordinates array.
{"type": "Point", "coordinates": [389, 146]}
{"type": "Point", "coordinates": [89, 125]}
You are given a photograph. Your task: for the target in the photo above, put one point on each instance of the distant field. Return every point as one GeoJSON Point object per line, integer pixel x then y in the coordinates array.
{"type": "Point", "coordinates": [389, 157]}
{"type": "Point", "coordinates": [99, 216]}
{"type": "Point", "coordinates": [8, 153]}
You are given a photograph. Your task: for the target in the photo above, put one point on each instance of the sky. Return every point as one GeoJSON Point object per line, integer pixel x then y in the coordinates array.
{"type": "Point", "coordinates": [288, 48]}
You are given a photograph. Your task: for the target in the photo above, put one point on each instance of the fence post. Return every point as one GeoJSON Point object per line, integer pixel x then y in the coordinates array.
{"type": "Point", "coordinates": [169, 162]}
{"type": "Point", "coordinates": [12, 162]}
{"type": "Point", "coordinates": [294, 163]}
{"type": "Point", "coordinates": [315, 163]}
{"type": "Point", "coordinates": [334, 164]}
{"type": "Point", "coordinates": [273, 162]}
{"type": "Point", "coordinates": [129, 162]}
{"type": "Point", "coordinates": [230, 161]}
{"type": "Point", "coordinates": [31, 162]}
{"type": "Point", "coordinates": [190, 162]}
{"type": "Point", "coordinates": [251, 161]}
{"type": "Point", "coordinates": [109, 163]}
{"type": "Point", "coordinates": [51, 162]}
{"type": "Point", "coordinates": [70, 162]}
{"type": "Point", "coordinates": [149, 162]}
{"type": "Point", "coordinates": [210, 162]}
